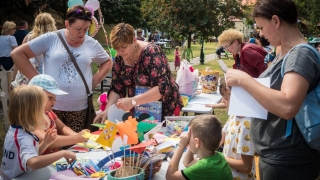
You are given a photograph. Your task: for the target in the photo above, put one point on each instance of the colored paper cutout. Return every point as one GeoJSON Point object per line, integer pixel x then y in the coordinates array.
{"type": "Point", "coordinates": [107, 135]}
{"type": "Point", "coordinates": [149, 134]}
{"type": "Point", "coordinates": [128, 128]}
{"type": "Point", "coordinates": [144, 127]}
{"type": "Point", "coordinates": [142, 146]}
{"type": "Point", "coordinates": [99, 125]}
{"type": "Point", "coordinates": [89, 135]}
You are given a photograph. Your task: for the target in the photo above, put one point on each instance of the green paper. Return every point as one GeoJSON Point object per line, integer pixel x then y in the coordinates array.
{"type": "Point", "coordinates": [99, 125]}
{"type": "Point", "coordinates": [144, 127]}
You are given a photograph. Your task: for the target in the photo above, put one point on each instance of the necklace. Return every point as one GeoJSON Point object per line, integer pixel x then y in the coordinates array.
{"type": "Point", "coordinates": [294, 41]}
{"type": "Point", "coordinates": [280, 54]}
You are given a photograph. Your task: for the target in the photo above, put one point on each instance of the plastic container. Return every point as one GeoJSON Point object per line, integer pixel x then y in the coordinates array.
{"type": "Point", "coordinates": [176, 124]}
{"type": "Point", "coordinates": [139, 176]}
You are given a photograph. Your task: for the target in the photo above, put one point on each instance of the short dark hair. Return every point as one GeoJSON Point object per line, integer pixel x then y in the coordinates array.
{"type": "Point", "coordinates": [263, 41]}
{"type": "Point", "coordinates": [286, 10]}
{"type": "Point", "coordinates": [78, 12]}
{"type": "Point", "coordinates": [23, 23]}
{"type": "Point", "coordinates": [207, 128]}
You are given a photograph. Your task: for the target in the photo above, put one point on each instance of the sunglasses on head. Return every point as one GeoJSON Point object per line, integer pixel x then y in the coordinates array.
{"type": "Point", "coordinates": [85, 14]}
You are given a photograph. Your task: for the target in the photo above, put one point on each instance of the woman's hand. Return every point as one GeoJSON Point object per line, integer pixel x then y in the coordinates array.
{"type": "Point", "coordinates": [101, 117]}
{"type": "Point", "coordinates": [125, 104]}
{"type": "Point", "coordinates": [234, 77]}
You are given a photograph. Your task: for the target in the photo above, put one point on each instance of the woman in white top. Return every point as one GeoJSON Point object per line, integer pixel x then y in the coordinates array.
{"type": "Point", "coordinates": [71, 108]}
{"type": "Point", "coordinates": [7, 44]}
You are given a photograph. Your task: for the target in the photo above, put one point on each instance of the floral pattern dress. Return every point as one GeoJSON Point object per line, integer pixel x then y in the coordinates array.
{"type": "Point", "coordinates": [152, 69]}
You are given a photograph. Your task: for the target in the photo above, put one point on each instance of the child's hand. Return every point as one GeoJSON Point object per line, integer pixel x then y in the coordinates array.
{"type": "Point", "coordinates": [50, 136]}
{"type": "Point", "coordinates": [208, 105]}
{"type": "Point", "coordinates": [69, 156]}
{"type": "Point", "coordinates": [184, 139]}
{"type": "Point", "coordinates": [80, 136]}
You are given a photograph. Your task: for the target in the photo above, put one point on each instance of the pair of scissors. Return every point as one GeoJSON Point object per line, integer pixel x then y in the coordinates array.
{"type": "Point", "coordinates": [62, 167]}
{"type": "Point", "coordinates": [99, 174]}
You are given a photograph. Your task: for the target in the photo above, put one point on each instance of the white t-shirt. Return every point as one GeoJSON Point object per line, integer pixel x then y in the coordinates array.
{"type": "Point", "coordinates": [19, 147]}
{"type": "Point", "coordinates": [237, 142]}
{"type": "Point", "coordinates": [6, 45]}
{"type": "Point", "coordinates": [58, 64]}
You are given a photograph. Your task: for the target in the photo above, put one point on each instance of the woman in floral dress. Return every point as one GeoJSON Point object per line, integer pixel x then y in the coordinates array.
{"type": "Point", "coordinates": [139, 63]}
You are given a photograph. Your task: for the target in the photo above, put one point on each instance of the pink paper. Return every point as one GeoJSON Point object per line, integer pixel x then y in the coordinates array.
{"type": "Point", "coordinates": [68, 174]}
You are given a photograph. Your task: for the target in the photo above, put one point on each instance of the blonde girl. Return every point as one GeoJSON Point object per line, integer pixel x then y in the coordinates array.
{"type": "Point", "coordinates": [7, 44]}
{"type": "Point", "coordinates": [21, 148]}
{"type": "Point", "coordinates": [43, 23]}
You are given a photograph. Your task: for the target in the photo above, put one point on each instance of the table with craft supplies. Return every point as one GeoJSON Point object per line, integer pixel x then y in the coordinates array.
{"type": "Point", "coordinates": [45, 173]}
{"type": "Point", "coordinates": [95, 156]}
{"type": "Point", "coordinates": [198, 102]}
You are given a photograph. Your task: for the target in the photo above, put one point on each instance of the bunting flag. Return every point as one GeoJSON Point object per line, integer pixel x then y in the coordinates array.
{"type": "Point", "coordinates": [142, 146]}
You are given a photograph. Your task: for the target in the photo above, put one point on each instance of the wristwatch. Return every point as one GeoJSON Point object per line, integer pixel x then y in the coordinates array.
{"type": "Point", "coordinates": [134, 103]}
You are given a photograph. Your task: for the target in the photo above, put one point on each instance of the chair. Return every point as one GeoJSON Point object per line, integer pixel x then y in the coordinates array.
{"type": "Point", "coordinates": [166, 47]}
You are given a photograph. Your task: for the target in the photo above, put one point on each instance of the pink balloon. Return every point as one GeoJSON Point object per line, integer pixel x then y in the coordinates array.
{"type": "Point", "coordinates": [90, 9]}
{"type": "Point", "coordinates": [94, 4]}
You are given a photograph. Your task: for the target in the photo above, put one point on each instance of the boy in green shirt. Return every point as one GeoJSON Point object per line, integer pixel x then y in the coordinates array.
{"type": "Point", "coordinates": [203, 138]}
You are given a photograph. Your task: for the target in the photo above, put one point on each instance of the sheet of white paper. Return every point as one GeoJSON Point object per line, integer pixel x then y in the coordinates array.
{"type": "Point", "coordinates": [166, 144]}
{"type": "Point", "coordinates": [117, 143]}
{"type": "Point", "coordinates": [153, 131]}
{"type": "Point", "coordinates": [125, 139]}
{"type": "Point", "coordinates": [115, 114]}
{"type": "Point", "coordinates": [205, 98]}
{"type": "Point", "coordinates": [223, 66]}
{"type": "Point", "coordinates": [243, 104]}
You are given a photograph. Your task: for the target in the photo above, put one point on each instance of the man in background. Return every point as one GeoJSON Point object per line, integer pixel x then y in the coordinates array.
{"type": "Point", "coordinates": [22, 32]}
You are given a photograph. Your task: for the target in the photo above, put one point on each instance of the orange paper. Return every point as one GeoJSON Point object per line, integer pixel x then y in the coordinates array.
{"type": "Point", "coordinates": [142, 146]}
{"type": "Point", "coordinates": [129, 128]}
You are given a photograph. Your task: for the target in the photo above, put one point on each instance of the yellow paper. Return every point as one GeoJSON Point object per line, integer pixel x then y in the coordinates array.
{"type": "Point", "coordinates": [107, 135]}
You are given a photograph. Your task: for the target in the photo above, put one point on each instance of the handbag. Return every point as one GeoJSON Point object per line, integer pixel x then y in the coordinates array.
{"type": "Point", "coordinates": [91, 114]}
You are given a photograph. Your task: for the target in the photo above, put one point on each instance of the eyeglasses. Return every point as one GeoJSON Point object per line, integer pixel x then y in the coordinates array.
{"type": "Point", "coordinates": [227, 47]}
{"type": "Point", "coordinates": [139, 32]}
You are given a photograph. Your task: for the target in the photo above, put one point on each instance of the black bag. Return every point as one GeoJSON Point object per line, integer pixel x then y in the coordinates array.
{"type": "Point", "coordinates": [91, 114]}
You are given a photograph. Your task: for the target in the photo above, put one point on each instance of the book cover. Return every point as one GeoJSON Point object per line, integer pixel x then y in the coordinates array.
{"type": "Point", "coordinates": [153, 108]}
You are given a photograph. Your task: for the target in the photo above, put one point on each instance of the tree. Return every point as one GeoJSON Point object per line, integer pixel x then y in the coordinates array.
{"type": "Point", "coordinates": [127, 11]}
{"type": "Point", "coordinates": [309, 13]}
{"type": "Point", "coordinates": [185, 17]}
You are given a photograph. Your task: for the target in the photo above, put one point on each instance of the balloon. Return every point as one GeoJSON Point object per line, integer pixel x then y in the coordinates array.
{"type": "Point", "coordinates": [90, 9]}
{"type": "Point", "coordinates": [94, 4]}
{"type": "Point", "coordinates": [72, 3]}
{"type": "Point", "coordinates": [93, 28]}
